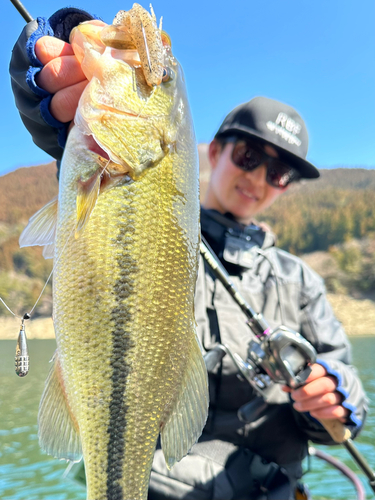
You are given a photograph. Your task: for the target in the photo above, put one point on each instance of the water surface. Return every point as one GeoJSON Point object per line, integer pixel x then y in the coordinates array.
{"type": "Point", "coordinates": [26, 473]}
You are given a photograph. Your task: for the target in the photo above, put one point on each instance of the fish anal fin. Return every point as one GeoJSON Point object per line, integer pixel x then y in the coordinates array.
{"type": "Point", "coordinates": [58, 430]}
{"type": "Point", "coordinates": [41, 228]}
{"type": "Point", "coordinates": [87, 195]}
{"type": "Point", "coordinates": [185, 422]}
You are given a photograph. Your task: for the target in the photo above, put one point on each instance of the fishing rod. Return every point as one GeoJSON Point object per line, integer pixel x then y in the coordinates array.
{"type": "Point", "coordinates": [281, 355]}
{"type": "Point", "coordinates": [274, 356]}
{"type": "Point", "coordinates": [22, 10]}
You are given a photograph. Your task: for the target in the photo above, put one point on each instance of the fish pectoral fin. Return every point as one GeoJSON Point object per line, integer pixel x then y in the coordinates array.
{"type": "Point", "coordinates": [87, 195]}
{"type": "Point", "coordinates": [57, 428]}
{"type": "Point", "coordinates": [185, 422]}
{"type": "Point", "coordinates": [41, 229]}
{"type": "Point", "coordinates": [49, 251]}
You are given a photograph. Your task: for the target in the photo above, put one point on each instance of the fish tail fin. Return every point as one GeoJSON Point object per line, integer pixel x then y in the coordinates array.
{"type": "Point", "coordinates": [58, 431]}
{"type": "Point", "coordinates": [185, 422]}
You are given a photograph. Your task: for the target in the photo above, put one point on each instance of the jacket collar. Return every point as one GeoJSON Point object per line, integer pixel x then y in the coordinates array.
{"type": "Point", "coordinates": [216, 227]}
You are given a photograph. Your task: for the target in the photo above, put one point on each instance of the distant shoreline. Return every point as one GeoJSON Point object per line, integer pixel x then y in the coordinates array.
{"type": "Point", "coordinates": [39, 328]}
{"type": "Point", "coordinates": [356, 316]}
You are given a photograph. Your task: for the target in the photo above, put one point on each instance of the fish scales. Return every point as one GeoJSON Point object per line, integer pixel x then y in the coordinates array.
{"type": "Point", "coordinates": [141, 349]}
{"type": "Point", "coordinates": [128, 366]}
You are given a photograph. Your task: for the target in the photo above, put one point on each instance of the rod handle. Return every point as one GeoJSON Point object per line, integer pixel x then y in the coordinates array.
{"type": "Point", "coordinates": [336, 429]}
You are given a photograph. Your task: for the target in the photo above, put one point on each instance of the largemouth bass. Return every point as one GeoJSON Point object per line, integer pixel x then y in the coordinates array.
{"type": "Point", "coordinates": [124, 234]}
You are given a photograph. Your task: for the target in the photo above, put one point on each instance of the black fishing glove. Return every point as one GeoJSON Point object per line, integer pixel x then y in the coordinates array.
{"type": "Point", "coordinates": [32, 101]}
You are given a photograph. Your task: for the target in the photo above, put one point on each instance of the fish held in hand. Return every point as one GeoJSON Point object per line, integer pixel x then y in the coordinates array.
{"type": "Point", "coordinates": [124, 234]}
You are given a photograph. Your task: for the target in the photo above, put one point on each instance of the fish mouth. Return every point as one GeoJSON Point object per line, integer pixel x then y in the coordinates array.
{"type": "Point", "coordinates": [94, 147]}
{"type": "Point", "coordinates": [105, 162]}
{"type": "Point", "coordinates": [129, 56]}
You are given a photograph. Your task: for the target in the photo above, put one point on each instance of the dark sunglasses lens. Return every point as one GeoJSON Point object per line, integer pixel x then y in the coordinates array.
{"type": "Point", "coordinates": [280, 175]}
{"type": "Point", "coordinates": [245, 157]}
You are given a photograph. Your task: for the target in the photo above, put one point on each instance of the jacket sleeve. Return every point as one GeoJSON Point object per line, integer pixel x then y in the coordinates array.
{"type": "Point", "coordinates": [32, 101]}
{"type": "Point", "coordinates": [324, 331]}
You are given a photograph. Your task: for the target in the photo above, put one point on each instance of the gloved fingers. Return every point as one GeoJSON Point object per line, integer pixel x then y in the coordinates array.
{"type": "Point", "coordinates": [60, 73]}
{"type": "Point", "coordinates": [64, 103]}
{"type": "Point", "coordinates": [317, 387]}
{"type": "Point", "coordinates": [48, 48]}
{"type": "Point", "coordinates": [318, 402]}
{"type": "Point", "coordinates": [331, 412]}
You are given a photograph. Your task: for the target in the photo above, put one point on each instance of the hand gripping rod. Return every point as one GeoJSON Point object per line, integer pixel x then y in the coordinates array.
{"type": "Point", "coordinates": [339, 433]}
{"type": "Point", "coordinates": [336, 429]}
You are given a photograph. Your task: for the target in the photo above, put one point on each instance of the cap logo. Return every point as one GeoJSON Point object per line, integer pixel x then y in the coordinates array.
{"type": "Point", "coordinates": [286, 128]}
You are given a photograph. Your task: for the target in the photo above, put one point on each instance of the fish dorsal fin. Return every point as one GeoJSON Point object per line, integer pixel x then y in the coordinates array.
{"type": "Point", "coordinates": [87, 195]}
{"type": "Point", "coordinates": [185, 423]}
{"type": "Point", "coordinates": [58, 431]}
{"type": "Point", "coordinates": [41, 228]}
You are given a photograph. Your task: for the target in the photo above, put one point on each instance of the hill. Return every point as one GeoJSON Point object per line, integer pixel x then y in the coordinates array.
{"type": "Point", "coordinates": [25, 190]}
{"type": "Point", "coordinates": [316, 214]}
{"type": "Point", "coordinates": [339, 178]}
{"type": "Point", "coordinates": [23, 272]}
{"type": "Point", "coordinates": [329, 221]}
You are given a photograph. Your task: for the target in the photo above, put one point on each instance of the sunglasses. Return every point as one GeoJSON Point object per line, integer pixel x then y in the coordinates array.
{"type": "Point", "coordinates": [248, 157]}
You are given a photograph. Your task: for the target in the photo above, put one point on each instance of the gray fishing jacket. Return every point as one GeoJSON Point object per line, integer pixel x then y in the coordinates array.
{"type": "Point", "coordinates": [232, 460]}
{"type": "Point", "coordinates": [222, 465]}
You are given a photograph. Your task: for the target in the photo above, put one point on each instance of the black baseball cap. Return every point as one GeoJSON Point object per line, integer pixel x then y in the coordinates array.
{"type": "Point", "coordinates": [275, 123]}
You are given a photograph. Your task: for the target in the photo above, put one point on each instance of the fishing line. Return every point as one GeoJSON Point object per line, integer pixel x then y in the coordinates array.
{"type": "Point", "coordinates": [50, 274]}
{"type": "Point", "coordinates": [146, 47]}
{"type": "Point", "coordinates": [37, 300]}
{"type": "Point", "coordinates": [53, 268]}
{"type": "Point", "coordinates": [22, 359]}
{"type": "Point", "coordinates": [134, 83]}
{"type": "Point", "coordinates": [68, 469]}
{"type": "Point", "coordinates": [60, 255]}
{"type": "Point", "coordinates": [15, 315]}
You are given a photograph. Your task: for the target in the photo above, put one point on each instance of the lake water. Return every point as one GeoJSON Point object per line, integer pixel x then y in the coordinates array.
{"type": "Point", "coordinates": [26, 473]}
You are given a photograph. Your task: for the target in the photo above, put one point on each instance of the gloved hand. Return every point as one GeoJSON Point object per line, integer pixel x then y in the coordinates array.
{"type": "Point", "coordinates": [61, 75]}
{"type": "Point", "coordinates": [33, 101]}
{"type": "Point", "coordinates": [319, 396]}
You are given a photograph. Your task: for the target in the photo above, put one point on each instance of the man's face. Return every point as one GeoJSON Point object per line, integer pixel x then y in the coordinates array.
{"type": "Point", "coordinates": [243, 194]}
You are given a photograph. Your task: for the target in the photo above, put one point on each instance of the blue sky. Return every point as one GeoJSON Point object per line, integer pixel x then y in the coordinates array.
{"type": "Point", "coordinates": [318, 56]}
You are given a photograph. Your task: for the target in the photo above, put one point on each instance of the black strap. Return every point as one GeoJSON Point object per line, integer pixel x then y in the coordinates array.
{"type": "Point", "coordinates": [251, 476]}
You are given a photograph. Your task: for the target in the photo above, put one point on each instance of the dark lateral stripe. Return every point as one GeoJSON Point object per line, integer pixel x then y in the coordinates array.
{"type": "Point", "coordinates": [122, 342]}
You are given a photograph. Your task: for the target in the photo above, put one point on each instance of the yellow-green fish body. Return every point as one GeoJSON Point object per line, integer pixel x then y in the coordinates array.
{"type": "Point", "coordinates": [128, 365]}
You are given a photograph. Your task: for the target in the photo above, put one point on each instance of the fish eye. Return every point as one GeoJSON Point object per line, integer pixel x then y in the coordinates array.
{"type": "Point", "coordinates": [168, 75]}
